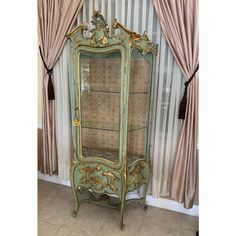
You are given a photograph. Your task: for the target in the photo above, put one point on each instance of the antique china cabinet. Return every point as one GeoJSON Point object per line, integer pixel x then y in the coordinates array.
{"type": "Point", "coordinates": [113, 79]}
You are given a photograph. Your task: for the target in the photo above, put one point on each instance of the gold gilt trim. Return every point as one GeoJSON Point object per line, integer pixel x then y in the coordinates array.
{"type": "Point", "coordinates": [144, 44]}
{"type": "Point", "coordinates": [75, 30]}
{"type": "Point", "coordinates": [100, 35]}
{"type": "Point", "coordinates": [109, 174]}
{"type": "Point", "coordinates": [96, 175]}
{"type": "Point", "coordinates": [76, 122]}
{"type": "Point", "coordinates": [116, 25]}
{"type": "Point", "coordinates": [100, 32]}
{"type": "Point", "coordinates": [137, 175]}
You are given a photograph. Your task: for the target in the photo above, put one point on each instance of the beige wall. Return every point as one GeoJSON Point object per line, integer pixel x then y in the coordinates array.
{"type": "Point", "coordinates": [40, 100]}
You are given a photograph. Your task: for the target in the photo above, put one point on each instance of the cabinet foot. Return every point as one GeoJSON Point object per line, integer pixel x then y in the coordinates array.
{"type": "Point", "coordinates": [75, 212]}
{"type": "Point", "coordinates": [122, 227]}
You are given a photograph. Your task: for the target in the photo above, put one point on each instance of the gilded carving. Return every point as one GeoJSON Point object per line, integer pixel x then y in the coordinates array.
{"type": "Point", "coordinates": [100, 32]}
{"type": "Point", "coordinates": [109, 174]}
{"type": "Point", "coordinates": [98, 178]}
{"type": "Point", "coordinates": [117, 25]}
{"type": "Point", "coordinates": [143, 44]}
{"type": "Point", "coordinates": [76, 122]}
{"type": "Point", "coordinates": [136, 175]}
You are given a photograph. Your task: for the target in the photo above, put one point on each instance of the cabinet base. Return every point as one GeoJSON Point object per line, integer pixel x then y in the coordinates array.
{"type": "Point", "coordinates": [106, 200]}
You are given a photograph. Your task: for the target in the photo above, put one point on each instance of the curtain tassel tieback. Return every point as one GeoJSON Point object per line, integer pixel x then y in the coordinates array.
{"type": "Point", "coordinates": [51, 95]}
{"type": "Point", "coordinates": [183, 103]}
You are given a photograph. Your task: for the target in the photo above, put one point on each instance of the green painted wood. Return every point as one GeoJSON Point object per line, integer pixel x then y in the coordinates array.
{"type": "Point", "coordinates": [97, 174]}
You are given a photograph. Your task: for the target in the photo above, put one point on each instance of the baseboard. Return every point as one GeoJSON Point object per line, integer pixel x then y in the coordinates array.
{"type": "Point", "coordinates": [156, 202]}
{"type": "Point", "coordinates": [54, 179]}
{"type": "Point", "coordinates": [172, 205]}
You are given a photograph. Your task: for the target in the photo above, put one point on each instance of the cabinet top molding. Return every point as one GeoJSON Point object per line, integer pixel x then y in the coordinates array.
{"type": "Point", "coordinates": [96, 35]}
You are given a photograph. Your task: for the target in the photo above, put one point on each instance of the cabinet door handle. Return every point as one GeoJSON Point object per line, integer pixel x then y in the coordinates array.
{"type": "Point", "coordinates": [76, 122]}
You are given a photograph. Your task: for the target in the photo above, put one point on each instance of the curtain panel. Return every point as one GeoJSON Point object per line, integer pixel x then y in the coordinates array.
{"type": "Point", "coordinates": [179, 22]}
{"type": "Point", "coordinates": [55, 20]}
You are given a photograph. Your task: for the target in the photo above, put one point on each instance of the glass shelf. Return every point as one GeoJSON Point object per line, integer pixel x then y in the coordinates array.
{"type": "Point", "coordinates": [109, 127]}
{"type": "Point", "coordinates": [118, 92]}
{"type": "Point", "coordinates": [111, 155]}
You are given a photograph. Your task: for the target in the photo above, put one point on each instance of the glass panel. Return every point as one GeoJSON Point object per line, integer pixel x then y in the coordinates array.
{"type": "Point", "coordinates": [100, 104]}
{"type": "Point", "coordinates": [139, 99]}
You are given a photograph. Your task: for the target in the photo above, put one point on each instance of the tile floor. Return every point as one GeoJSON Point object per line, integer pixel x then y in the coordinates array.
{"type": "Point", "coordinates": [55, 218]}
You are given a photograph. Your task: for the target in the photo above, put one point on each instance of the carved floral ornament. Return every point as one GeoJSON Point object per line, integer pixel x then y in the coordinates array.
{"type": "Point", "coordinates": [98, 177]}
{"type": "Point", "coordinates": [100, 32]}
{"type": "Point", "coordinates": [144, 45]}
{"type": "Point", "coordinates": [97, 34]}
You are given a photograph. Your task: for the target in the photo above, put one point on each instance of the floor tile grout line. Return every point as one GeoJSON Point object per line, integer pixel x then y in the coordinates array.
{"type": "Point", "coordinates": [61, 225]}
{"type": "Point", "coordinates": [141, 218]}
{"type": "Point", "coordinates": [139, 233]}
{"type": "Point", "coordinates": [73, 231]}
{"type": "Point", "coordinates": [49, 224]}
{"type": "Point", "coordinates": [179, 227]}
{"type": "Point", "coordinates": [67, 228]}
{"type": "Point", "coordinates": [163, 225]}
{"type": "Point", "coordinates": [57, 231]}
{"type": "Point", "coordinates": [140, 229]}
{"type": "Point", "coordinates": [100, 228]}
{"type": "Point", "coordinates": [45, 221]}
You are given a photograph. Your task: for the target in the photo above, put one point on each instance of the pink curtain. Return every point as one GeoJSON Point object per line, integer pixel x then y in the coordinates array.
{"type": "Point", "coordinates": [55, 20]}
{"type": "Point", "coordinates": [179, 22]}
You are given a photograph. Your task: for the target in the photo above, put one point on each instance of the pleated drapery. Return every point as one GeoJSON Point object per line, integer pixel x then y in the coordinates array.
{"type": "Point", "coordinates": [55, 20]}
{"type": "Point", "coordinates": [179, 22]}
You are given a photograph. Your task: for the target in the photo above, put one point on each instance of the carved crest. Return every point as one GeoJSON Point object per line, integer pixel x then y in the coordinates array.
{"type": "Point", "coordinates": [100, 31]}
{"type": "Point", "coordinates": [96, 34]}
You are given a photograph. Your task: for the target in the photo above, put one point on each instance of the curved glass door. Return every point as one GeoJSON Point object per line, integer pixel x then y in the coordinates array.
{"type": "Point", "coordinates": [139, 101]}
{"type": "Point", "coordinates": [100, 104]}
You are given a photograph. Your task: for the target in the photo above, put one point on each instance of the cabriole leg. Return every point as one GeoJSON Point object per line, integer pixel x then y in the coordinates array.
{"type": "Point", "coordinates": [76, 200]}
{"type": "Point", "coordinates": [145, 187]}
{"type": "Point", "coordinates": [76, 206]}
{"type": "Point", "coordinates": [122, 225]}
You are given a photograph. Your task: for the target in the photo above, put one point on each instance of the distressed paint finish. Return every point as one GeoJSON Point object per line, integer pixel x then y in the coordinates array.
{"type": "Point", "coordinates": [94, 173]}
